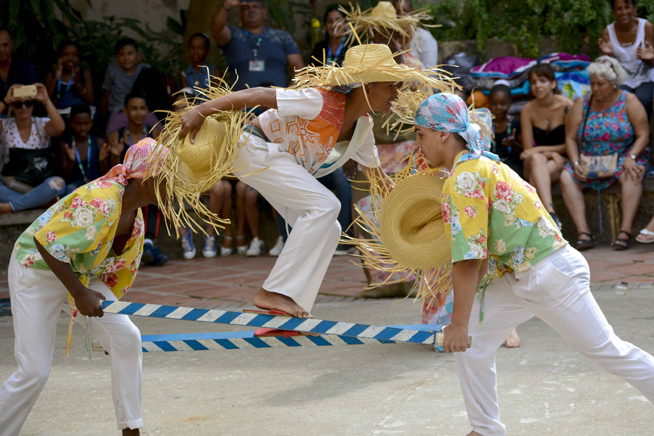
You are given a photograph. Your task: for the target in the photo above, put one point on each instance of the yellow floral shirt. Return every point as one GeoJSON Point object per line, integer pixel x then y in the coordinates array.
{"type": "Point", "coordinates": [489, 210]}
{"type": "Point", "coordinates": [79, 230]}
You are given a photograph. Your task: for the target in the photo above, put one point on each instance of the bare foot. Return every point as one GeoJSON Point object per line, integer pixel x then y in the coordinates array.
{"type": "Point", "coordinates": [130, 432]}
{"type": "Point", "coordinates": [474, 433]}
{"type": "Point", "coordinates": [513, 341]}
{"type": "Point", "coordinates": [5, 208]}
{"type": "Point", "coordinates": [272, 300]}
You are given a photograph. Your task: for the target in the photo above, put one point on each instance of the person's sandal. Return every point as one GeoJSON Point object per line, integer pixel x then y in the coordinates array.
{"type": "Point", "coordinates": [622, 244]}
{"type": "Point", "coordinates": [645, 237]}
{"type": "Point", "coordinates": [585, 244]}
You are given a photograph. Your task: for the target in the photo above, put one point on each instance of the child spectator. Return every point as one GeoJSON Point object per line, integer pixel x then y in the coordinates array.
{"type": "Point", "coordinates": [505, 128]}
{"type": "Point", "coordinates": [543, 134]}
{"type": "Point", "coordinates": [28, 179]}
{"type": "Point", "coordinates": [136, 110]}
{"type": "Point", "coordinates": [118, 82]}
{"type": "Point", "coordinates": [198, 74]}
{"type": "Point", "coordinates": [69, 85]}
{"type": "Point", "coordinates": [220, 203]}
{"type": "Point", "coordinates": [84, 158]}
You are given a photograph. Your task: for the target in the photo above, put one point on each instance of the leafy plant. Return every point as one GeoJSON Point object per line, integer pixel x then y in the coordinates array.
{"type": "Point", "coordinates": [575, 23]}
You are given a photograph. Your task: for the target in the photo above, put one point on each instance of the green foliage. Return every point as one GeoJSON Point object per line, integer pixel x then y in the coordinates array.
{"type": "Point", "coordinates": [576, 23]}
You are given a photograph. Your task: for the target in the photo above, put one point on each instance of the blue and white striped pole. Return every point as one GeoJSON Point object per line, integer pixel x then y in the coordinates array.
{"type": "Point", "coordinates": [344, 329]}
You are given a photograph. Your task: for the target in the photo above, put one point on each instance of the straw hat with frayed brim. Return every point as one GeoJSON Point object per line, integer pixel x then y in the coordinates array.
{"type": "Point", "coordinates": [382, 19]}
{"type": "Point", "coordinates": [189, 169]}
{"type": "Point", "coordinates": [406, 231]}
{"type": "Point", "coordinates": [369, 63]}
{"type": "Point", "coordinates": [411, 224]}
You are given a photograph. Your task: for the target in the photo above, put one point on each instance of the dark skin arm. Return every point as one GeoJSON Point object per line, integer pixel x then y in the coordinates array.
{"type": "Point", "coordinates": [88, 301]}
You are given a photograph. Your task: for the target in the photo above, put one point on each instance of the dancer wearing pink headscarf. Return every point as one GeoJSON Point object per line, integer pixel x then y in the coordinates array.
{"type": "Point", "coordinates": [84, 249]}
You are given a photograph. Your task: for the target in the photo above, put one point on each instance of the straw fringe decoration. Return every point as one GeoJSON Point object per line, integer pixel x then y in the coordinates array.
{"type": "Point", "coordinates": [364, 23]}
{"type": "Point", "coordinates": [429, 284]}
{"type": "Point", "coordinates": [189, 169]}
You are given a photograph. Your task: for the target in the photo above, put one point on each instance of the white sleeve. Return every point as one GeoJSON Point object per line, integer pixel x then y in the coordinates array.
{"type": "Point", "coordinates": [367, 155]}
{"type": "Point", "coordinates": [304, 103]}
{"type": "Point", "coordinates": [428, 53]}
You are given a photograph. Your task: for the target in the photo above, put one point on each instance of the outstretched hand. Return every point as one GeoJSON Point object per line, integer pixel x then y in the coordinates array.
{"type": "Point", "coordinates": [645, 53]}
{"type": "Point", "coordinates": [605, 46]}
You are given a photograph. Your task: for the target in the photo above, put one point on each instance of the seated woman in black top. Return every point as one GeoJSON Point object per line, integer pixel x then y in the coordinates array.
{"type": "Point", "coordinates": [333, 48]}
{"type": "Point", "coordinates": [506, 128]}
{"type": "Point", "coordinates": [83, 157]}
{"type": "Point", "coordinates": [543, 134]}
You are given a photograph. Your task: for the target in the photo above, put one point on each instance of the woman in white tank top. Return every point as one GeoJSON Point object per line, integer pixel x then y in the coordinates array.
{"type": "Point", "coordinates": [631, 41]}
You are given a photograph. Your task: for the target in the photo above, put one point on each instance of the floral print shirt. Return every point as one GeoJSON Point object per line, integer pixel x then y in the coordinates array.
{"type": "Point", "coordinates": [488, 210]}
{"type": "Point", "coordinates": [79, 230]}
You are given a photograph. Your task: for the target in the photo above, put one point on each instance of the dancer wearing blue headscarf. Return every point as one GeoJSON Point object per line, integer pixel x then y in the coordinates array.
{"type": "Point", "coordinates": [504, 240]}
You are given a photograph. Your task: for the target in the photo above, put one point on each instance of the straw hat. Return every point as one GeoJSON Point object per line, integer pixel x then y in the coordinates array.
{"type": "Point", "coordinates": [368, 63]}
{"type": "Point", "coordinates": [411, 223]}
{"type": "Point", "coordinates": [189, 169]}
{"type": "Point", "coordinates": [383, 19]}
{"type": "Point", "coordinates": [406, 230]}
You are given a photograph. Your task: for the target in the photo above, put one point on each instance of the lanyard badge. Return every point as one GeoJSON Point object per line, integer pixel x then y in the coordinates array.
{"type": "Point", "coordinates": [256, 65]}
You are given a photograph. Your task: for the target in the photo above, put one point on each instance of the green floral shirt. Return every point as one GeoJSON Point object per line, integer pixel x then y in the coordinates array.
{"type": "Point", "coordinates": [488, 210]}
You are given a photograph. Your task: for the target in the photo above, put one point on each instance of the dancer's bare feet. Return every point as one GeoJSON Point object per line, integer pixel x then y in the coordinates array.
{"type": "Point", "coordinates": [272, 300]}
{"type": "Point", "coordinates": [474, 433]}
{"type": "Point", "coordinates": [513, 341]}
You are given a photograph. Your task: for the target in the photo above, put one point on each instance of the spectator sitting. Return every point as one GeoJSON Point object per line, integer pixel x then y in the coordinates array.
{"type": "Point", "coordinates": [199, 73]}
{"type": "Point", "coordinates": [220, 203]}
{"type": "Point", "coordinates": [13, 69]}
{"type": "Point", "coordinates": [136, 110]}
{"type": "Point", "coordinates": [612, 123]}
{"type": "Point", "coordinates": [630, 40]}
{"type": "Point", "coordinates": [69, 85]}
{"type": "Point", "coordinates": [118, 82]}
{"type": "Point", "coordinates": [543, 134]}
{"type": "Point", "coordinates": [505, 128]}
{"type": "Point", "coordinates": [423, 45]}
{"type": "Point", "coordinates": [332, 49]}
{"type": "Point", "coordinates": [254, 52]}
{"type": "Point", "coordinates": [84, 158]}
{"type": "Point", "coordinates": [23, 141]}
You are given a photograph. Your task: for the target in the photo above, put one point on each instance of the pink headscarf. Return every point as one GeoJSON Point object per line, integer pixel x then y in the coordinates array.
{"type": "Point", "coordinates": [136, 162]}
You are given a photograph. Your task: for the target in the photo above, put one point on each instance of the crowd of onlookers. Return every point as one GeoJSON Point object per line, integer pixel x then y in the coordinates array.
{"type": "Point", "coordinates": [63, 132]}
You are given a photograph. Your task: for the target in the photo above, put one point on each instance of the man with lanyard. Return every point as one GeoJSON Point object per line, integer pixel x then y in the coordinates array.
{"type": "Point", "coordinates": [490, 213]}
{"type": "Point", "coordinates": [254, 53]}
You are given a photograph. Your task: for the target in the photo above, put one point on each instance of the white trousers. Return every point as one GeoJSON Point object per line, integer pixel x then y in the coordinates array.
{"type": "Point", "coordinates": [557, 290]}
{"type": "Point", "coordinates": [306, 205]}
{"type": "Point", "coordinates": [37, 299]}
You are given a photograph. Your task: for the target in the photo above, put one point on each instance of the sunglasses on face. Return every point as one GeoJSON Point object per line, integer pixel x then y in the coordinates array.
{"type": "Point", "coordinates": [20, 104]}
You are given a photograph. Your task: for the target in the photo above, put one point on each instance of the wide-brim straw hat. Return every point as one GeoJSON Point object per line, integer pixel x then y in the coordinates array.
{"type": "Point", "coordinates": [190, 169]}
{"type": "Point", "coordinates": [369, 63]}
{"type": "Point", "coordinates": [407, 236]}
{"type": "Point", "coordinates": [411, 224]}
{"type": "Point", "coordinates": [382, 19]}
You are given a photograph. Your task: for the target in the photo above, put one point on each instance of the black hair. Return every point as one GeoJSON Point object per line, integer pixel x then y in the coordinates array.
{"type": "Point", "coordinates": [199, 35]}
{"type": "Point", "coordinates": [133, 94]}
{"type": "Point", "coordinates": [543, 70]}
{"type": "Point", "coordinates": [65, 43]}
{"type": "Point", "coordinates": [500, 89]}
{"type": "Point", "coordinates": [80, 109]}
{"type": "Point", "coordinates": [632, 2]}
{"type": "Point", "coordinates": [459, 138]}
{"type": "Point", "coordinates": [123, 42]}
{"type": "Point", "coordinates": [265, 85]}
{"type": "Point", "coordinates": [332, 7]}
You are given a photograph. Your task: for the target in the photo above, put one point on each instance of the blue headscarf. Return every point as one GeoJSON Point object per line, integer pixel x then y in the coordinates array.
{"type": "Point", "coordinates": [448, 113]}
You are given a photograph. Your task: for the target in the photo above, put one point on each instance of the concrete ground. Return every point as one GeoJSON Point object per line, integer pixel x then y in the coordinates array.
{"type": "Point", "coordinates": [545, 387]}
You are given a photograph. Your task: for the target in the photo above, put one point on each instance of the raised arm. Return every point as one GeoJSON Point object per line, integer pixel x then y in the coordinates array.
{"type": "Point", "coordinates": [221, 33]}
{"type": "Point", "coordinates": [192, 120]}
{"type": "Point", "coordinates": [56, 125]}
